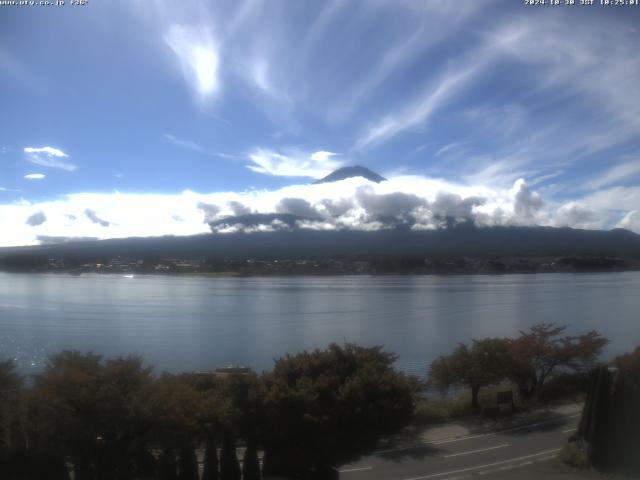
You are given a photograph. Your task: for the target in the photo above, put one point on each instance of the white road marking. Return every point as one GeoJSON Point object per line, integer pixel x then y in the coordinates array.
{"type": "Point", "coordinates": [570, 430]}
{"type": "Point", "coordinates": [476, 451]}
{"type": "Point", "coordinates": [497, 432]}
{"type": "Point", "coordinates": [460, 439]}
{"type": "Point", "coordinates": [355, 469]}
{"type": "Point", "coordinates": [504, 468]}
{"type": "Point", "coordinates": [478, 467]}
{"type": "Point", "coordinates": [402, 449]}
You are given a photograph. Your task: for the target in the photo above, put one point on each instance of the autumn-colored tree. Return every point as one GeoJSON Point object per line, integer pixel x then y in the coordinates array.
{"type": "Point", "coordinates": [64, 411]}
{"type": "Point", "coordinates": [242, 407]}
{"type": "Point", "coordinates": [175, 410]}
{"type": "Point", "coordinates": [328, 407]}
{"type": "Point", "coordinates": [210, 467]}
{"type": "Point", "coordinates": [229, 465]}
{"type": "Point", "coordinates": [629, 365]}
{"type": "Point", "coordinates": [187, 463]}
{"type": "Point", "coordinates": [85, 407]}
{"type": "Point", "coordinates": [544, 349]}
{"type": "Point", "coordinates": [10, 415]}
{"type": "Point", "coordinates": [481, 364]}
{"type": "Point", "coordinates": [250, 463]}
{"type": "Point", "coordinates": [167, 465]}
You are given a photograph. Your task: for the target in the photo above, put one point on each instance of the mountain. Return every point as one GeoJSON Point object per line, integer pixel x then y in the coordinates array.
{"type": "Point", "coordinates": [351, 172]}
{"type": "Point", "coordinates": [461, 241]}
{"type": "Point", "coordinates": [255, 219]}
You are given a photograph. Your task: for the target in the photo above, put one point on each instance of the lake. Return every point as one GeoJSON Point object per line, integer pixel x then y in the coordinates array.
{"type": "Point", "coordinates": [184, 323]}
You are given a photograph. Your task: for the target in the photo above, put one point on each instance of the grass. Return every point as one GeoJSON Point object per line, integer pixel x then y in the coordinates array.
{"type": "Point", "coordinates": [574, 455]}
{"type": "Point", "coordinates": [557, 391]}
{"type": "Point", "coordinates": [434, 411]}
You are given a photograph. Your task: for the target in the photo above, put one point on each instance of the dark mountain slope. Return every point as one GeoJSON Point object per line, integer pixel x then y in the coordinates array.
{"type": "Point", "coordinates": [466, 240]}
{"type": "Point", "coordinates": [351, 172]}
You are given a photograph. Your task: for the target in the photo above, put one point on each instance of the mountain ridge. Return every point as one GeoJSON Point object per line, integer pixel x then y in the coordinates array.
{"type": "Point", "coordinates": [465, 240]}
{"type": "Point", "coordinates": [351, 172]}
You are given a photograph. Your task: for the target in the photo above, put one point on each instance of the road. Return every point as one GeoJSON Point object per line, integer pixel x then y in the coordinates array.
{"type": "Point", "coordinates": [467, 457]}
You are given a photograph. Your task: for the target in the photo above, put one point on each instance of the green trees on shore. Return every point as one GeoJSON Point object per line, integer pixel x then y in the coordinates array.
{"type": "Point", "coordinates": [482, 363]}
{"type": "Point", "coordinates": [527, 361]}
{"type": "Point", "coordinates": [113, 419]}
{"type": "Point", "coordinates": [323, 408]}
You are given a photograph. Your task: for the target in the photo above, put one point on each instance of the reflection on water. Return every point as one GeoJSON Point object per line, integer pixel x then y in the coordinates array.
{"type": "Point", "coordinates": [186, 323]}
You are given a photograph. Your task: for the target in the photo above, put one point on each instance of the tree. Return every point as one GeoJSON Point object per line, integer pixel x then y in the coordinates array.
{"type": "Point", "coordinates": [10, 415]}
{"type": "Point", "coordinates": [608, 430]}
{"type": "Point", "coordinates": [187, 464]}
{"type": "Point", "coordinates": [174, 409]}
{"type": "Point", "coordinates": [167, 467]}
{"type": "Point", "coordinates": [250, 463]}
{"type": "Point", "coordinates": [65, 411]}
{"type": "Point", "coordinates": [327, 407]}
{"type": "Point", "coordinates": [482, 364]}
{"type": "Point", "coordinates": [210, 471]}
{"type": "Point", "coordinates": [629, 365]}
{"type": "Point", "coordinates": [541, 351]}
{"type": "Point", "coordinates": [242, 407]}
{"type": "Point", "coordinates": [85, 408]}
{"type": "Point", "coordinates": [229, 466]}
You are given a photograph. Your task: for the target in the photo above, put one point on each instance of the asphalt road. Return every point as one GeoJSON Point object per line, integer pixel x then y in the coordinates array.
{"type": "Point", "coordinates": [467, 457]}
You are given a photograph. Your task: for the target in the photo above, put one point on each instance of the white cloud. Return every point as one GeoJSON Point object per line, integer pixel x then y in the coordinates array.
{"type": "Point", "coordinates": [457, 76]}
{"type": "Point", "coordinates": [48, 157]}
{"type": "Point", "coordinates": [420, 109]}
{"type": "Point", "coordinates": [624, 171]}
{"type": "Point", "coordinates": [329, 9]}
{"type": "Point", "coordinates": [188, 144]}
{"type": "Point", "coordinates": [631, 221]}
{"type": "Point", "coordinates": [527, 204]}
{"type": "Point", "coordinates": [322, 156]}
{"type": "Point", "coordinates": [238, 209]}
{"type": "Point", "coordinates": [35, 176]}
{"type": "Point", "coordinates": [198, 55]}
{"type": "Point", "coordinates": [294, 164]}
{"type": "Point", "coordinates": [427, 26]}
{"type": "Point", "coordinates": [594, 68]}
{"type": "Point", "coordinates": [36, 219]}
{"type": "Point", "coordinates": [210, 211]}
{"type": "Point", "coordinates": [91, 215]}
{"type": "Point", "coordinates": [614, 199]}
{"type": "Point", "coordinates": [296, 206]}
{"type": "Point", "coordinates": [260, 75]}
{"type": "Point", "coordinates": [355, 203]}
{"type": "Point", "coordinates": [578, 215]}
{"type": "Point", "coordinates": [446, 148]}
{"type": "Point", "coordinates": [194, 146]}
{"type": "Point", "coordinates": [54, 152]}
{"type": "Point", "coordinates": [11, 67]}
{"type": "Point", "coordinates": [243, 13]}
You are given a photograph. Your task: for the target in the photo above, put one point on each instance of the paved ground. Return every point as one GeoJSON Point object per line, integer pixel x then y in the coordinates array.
{"type": "Point", "coordinates": [550, 470]}
{"type": "Point", "coordinates": [471, 449]}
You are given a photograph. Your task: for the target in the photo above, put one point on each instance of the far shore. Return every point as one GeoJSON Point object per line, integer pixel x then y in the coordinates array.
{"type": "Point", "coordinates": [326, 266]}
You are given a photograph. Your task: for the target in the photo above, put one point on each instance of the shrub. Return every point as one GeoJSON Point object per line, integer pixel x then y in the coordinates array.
{"type": "Point", "coordinates": [564, 386]}
{"type": "Point", "coordinates": [574, 455]}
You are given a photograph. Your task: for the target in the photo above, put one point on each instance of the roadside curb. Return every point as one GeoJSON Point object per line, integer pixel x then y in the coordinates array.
{"type": "Point", "coordinates": [531, 421]}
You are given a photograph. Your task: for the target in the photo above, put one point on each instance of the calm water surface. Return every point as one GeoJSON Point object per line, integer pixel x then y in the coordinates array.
{"type": "Point", "coordinates": [181, 323]}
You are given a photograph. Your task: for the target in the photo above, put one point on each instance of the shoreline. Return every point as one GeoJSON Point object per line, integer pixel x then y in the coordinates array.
{"type": "Point", "coordinates": [240, 274]}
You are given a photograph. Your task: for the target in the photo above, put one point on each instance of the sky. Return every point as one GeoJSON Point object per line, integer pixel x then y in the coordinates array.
{"type": "Point", "coordinates": [148, 117]}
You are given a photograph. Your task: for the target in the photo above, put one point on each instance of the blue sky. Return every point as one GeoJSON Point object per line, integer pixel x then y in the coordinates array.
{"type": "Point", "coordinates": [125, 108]}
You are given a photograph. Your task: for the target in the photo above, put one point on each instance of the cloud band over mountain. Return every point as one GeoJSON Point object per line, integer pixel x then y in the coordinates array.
{"type": "Point", "coordinates": [414, 202]}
